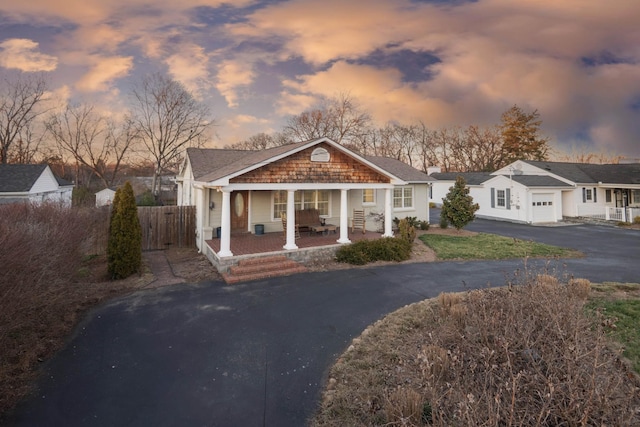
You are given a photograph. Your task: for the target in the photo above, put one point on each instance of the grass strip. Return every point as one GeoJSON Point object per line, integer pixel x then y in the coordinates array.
{"type": "Point", "coordinates": [623, 315]}
{"type": "Point", "coordinates": [491, 246]}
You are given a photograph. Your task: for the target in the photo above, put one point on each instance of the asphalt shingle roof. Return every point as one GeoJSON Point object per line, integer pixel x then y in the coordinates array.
{"type": "Point", "coordinates": [471, 178]}
{"type": "Point", "coordinates": [539, 181]}
{"type": "Point", "coordinates": [586, 173]}
{"type": "Point", "coordinates": [212, 164]}
{"type": "Point", "coordinates": [19, 178]}
{"type": "Point", "coordinates": [400, 169]}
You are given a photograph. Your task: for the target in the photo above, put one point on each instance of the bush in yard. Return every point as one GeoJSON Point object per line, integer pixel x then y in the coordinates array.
{"type": "Point", "coordinates": [406, 231]}
{"type": "Point", "coordinates": [124, 249]}
{"type": "Point", "coordinates": [366, 251]}
{"type": "Point", "coordinates": [147, 199]}
{"type": "Point", "coordinates": [524, 355]}
{"type": "Point", "coordinates": [443, 222]}
{"type": "Point", "coordinates": [458, 207]}
{"type": "Point", "coordinates": [424, 225]}
{"type": "Point", "coordinates": [636, 220]}
{"type": "Point", "coordinates": [42, 251]}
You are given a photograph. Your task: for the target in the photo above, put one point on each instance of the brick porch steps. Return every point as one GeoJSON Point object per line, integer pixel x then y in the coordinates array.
{"type": "Point", "coordinates": [262, 268]}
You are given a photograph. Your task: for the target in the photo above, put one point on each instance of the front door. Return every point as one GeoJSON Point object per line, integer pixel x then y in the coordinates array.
{"type": "Point", "coordinates": [239, 211]}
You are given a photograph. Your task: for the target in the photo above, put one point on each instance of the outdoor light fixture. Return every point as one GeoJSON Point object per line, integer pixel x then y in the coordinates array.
{"type": "Point", "coordinates": [211, 205]}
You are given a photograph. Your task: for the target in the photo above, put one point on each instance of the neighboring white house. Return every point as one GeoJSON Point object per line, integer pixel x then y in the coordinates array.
{"type": "Point", "coordinates": [540, 191]}
{"type": "Point", "coordinates": [33, 183]}
{"type": "Point", "coordinates": [237, 189]}
{"type": "Point", "coordinates": [105, 197]}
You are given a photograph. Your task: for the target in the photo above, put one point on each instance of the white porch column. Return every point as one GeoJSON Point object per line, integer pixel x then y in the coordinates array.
{"type": "Point", "coordinates": [225, 234]}
{"type": "Point", "coordinates": [199, 200]}
{"type": "Point", "coordinates": [388, 232]}
{"type": "Point", "coordinates": [291, 221]}
{"type": "Point", "coordinates": [344, 218]}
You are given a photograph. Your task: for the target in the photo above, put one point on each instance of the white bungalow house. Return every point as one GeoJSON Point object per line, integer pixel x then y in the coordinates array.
{"type": "Point", "coordinates": [33, 183]}
{"type": "Point", "coordinates": [541, 191]}
{"type": "Point", "coordinates": [235, 190]}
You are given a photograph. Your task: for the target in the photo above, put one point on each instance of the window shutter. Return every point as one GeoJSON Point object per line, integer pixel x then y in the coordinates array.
{"type": "Point", "coordinates": [508, 201]}
{"type": "Point", "coordinates": [595, 198]}
{"type": "Point", "coordinates": [584, 195]}
{"type": "Point", "coordinates": [493, 197]}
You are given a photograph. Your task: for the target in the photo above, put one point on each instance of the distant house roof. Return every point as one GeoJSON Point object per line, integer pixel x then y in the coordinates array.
{"type": "Point", "coordinates": [586, 173]}
{"type": "Point", "coordinates": [400, 169]}
{"type": "Point", "coordinates": [471, 178]}
{"type": "Point", "coordinates": [539, 181]}
{"type": "Point", "coordinates": [19, 178]}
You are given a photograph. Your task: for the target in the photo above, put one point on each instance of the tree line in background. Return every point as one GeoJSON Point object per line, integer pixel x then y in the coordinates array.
{"type": "Point", "coordinates": [453, 149]}
{"type": "Point", "coordinates": [95, 149]}
{"type": "Point", "coordinates": [162, 120]}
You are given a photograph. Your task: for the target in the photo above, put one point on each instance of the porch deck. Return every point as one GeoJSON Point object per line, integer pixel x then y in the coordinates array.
{"type": "Point", "coordinates": [251, 244]}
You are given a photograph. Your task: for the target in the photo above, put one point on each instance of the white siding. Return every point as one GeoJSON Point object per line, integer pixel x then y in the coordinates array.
{"type": "Point", "coordinates": [46, 182]}
{"type": "Point", "coordinates": [104, 197]}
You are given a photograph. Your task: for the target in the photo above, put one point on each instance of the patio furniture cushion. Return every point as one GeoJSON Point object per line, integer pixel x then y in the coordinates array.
{"type": "Point", "coordinates": [308, 218]}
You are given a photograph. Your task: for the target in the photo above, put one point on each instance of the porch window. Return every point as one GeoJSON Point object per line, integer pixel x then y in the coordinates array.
{"type": "Point", "coordinates": [501, 198]}
{"type": "Point", "coordinates": [368, 196]}
{"type": "Point", "coordinates": [588, 194]}
{"type": "Point", "coordinates": [636, 197]}
{"type": "Point", "coordinates": [279, 204]}
{"type": "Point", "coordinates": [607, 196]}
{"type": "Point", "coordinates": [308, 199]}
{"type": "Point", "coordinates": [403, 197]}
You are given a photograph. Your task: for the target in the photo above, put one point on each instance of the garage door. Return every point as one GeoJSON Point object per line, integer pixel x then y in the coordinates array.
{"type": "Point", "coordinates": [543, 208]}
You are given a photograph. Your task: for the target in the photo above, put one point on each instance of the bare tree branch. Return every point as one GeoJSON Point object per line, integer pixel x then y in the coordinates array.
{"type": "Point", "coordinates": [168, 119]}
{"type": "Point", "coordinates": [20, 99]}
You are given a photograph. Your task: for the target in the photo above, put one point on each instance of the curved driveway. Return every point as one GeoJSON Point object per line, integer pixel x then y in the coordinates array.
{"type": "Point", "coordinates": [257, 354]}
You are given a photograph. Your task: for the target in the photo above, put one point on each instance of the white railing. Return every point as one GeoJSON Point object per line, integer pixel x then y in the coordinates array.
{"type": "Point", "coordinates": [608, 213]}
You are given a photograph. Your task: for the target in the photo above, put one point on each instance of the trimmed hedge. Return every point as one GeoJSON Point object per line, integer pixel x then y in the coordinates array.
{"type": "Point", "coordinates": [366, 251]}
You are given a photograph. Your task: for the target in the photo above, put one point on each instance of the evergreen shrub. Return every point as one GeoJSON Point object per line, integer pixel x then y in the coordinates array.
{"type": "Point", "coordinates": [124, 248]}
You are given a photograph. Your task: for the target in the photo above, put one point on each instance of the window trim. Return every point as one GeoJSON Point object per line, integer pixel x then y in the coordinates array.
{"type": "Point", "coordinates": [375, 197]}
{"type": "Point", "coordinates": [503, 198]}
{"type": "Point", "coordinates": [403, 207]}
{"type": "Point", "coordinates": [300, 204]}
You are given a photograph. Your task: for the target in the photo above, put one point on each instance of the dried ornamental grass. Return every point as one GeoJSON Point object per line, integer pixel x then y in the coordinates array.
{"type": "Point", "coordinates": [524, 355]}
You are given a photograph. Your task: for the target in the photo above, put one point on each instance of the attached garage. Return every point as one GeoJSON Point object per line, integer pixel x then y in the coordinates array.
{"type": "Point", "coordinates": [542, 207]}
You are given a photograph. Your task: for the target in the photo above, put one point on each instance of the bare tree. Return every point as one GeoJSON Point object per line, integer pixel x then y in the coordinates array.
{"type": "Point", "coordinates": [93, 141]}
{"type": "Point", "coordinates": [169, 119]}
{"type": "Point", "coordinates": [340, 119]}
{"type": "Point", "coordinates": [485, 145]}
{"type": "Point", "coordinates": [28, 146]}
{"type": "Point", "coordinates": [260, 141]}
{"type": "Point", "coordinates": [20, 99]}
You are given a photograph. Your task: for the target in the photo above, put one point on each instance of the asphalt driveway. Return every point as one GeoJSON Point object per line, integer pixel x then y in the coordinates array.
{"type": "Point", "coordinates": [257, 354]}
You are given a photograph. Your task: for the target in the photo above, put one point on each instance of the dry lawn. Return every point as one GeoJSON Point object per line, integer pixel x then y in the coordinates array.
{"type": "Point", "coordinates": [525, 355]}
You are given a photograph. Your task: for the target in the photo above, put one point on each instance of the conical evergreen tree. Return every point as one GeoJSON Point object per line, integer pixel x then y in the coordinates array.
{"type": "Point", "coordinates": [124, 248]}
{"type": "Point", "coordinates": [458, 207]}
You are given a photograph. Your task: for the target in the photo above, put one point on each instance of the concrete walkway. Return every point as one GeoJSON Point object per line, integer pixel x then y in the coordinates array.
{"type": "Point", "coordinates": [258, 354]}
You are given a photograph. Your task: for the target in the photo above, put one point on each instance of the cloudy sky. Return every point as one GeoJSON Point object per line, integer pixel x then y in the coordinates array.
{"type": "Point", "coordinates": [257, 62]}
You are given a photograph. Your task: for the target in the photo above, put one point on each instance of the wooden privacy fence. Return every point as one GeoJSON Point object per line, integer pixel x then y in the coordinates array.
{"type": "Point", "coordinates": [167, 226]}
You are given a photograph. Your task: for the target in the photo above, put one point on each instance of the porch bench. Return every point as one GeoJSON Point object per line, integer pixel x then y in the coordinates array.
{"type": "Point", "coordinates": [308, 218]}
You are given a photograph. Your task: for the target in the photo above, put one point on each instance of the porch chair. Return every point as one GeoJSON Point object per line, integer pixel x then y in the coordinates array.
{"type": "Point", "coordinates": [357, 221]}
{"type": "Point", "coordinates": [283, 217]}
